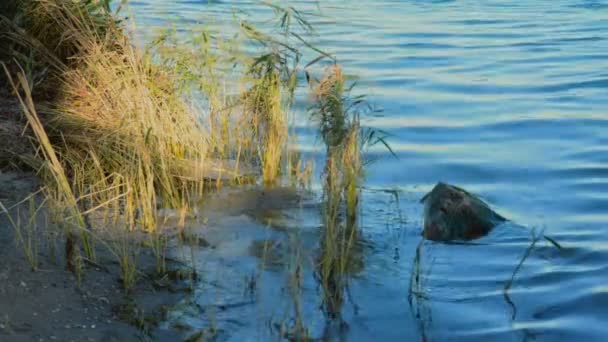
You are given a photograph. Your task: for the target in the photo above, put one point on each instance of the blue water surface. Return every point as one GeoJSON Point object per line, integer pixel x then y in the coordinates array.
{"type": "Point", "coordinates": [508, 99]}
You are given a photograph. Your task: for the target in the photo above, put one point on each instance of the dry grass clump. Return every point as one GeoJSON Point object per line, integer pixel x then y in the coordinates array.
{"type": "Point", "coordinates": [116, 115]}
{"type": "Point", "coordinates": [337, 114]}
{"type": "Point", "coordinates": [248, 95]}
{"type": "Point", "coordinates": [112, 141]}
{"type": "Point", "coordinates": [265, 118]}
{"type": "Point", "coordinates": [114, 138]}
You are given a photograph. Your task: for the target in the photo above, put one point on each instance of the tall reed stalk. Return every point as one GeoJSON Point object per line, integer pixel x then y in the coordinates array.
{"type": "Point", "coordinates": [342, 175]}
{"type": "Point", "coordinates": [338, 117]}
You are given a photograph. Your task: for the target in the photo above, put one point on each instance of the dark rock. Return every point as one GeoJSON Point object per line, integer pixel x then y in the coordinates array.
{"type": "Point", "coordinates": [452, 213]}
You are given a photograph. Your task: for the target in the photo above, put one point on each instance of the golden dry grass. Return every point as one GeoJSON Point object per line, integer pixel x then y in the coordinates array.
{"type": "Point", "coordinates": [110, 142]}
{"type": "Point", "coordinates": [116, 138]}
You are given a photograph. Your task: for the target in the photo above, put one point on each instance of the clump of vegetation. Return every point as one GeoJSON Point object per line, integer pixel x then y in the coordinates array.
{"type": "Point", "coordinates": [119, 132]}
{"type": "Point", "coordinates": [115, 138]}
{"type": "Point", "coordinates": [247, 95]}
{"type": "Point", "coordinates": [338, 116]}
{"type": "Point", "coordinates": [342, 175]}
{"type": "Point", "coordinates": [115, 129]}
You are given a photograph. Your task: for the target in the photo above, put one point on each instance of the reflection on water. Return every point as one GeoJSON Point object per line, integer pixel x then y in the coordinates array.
{"type": "Point", "coordinates": [505, 98]}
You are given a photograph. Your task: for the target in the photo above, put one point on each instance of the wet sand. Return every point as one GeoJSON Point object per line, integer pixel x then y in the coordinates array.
{"type": "Point", "coordinates": [48, 304]}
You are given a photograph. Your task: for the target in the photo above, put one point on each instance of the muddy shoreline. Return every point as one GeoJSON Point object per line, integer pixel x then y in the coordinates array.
{"type": "Point", "coordinates": [49, 304]}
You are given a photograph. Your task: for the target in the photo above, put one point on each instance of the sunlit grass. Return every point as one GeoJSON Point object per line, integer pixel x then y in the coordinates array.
{"type": "Point", "coordinates": [113, 136]}
{"type": "Point", "coordinates": [339, 129]}
{"type": "Point", "coordinates": [337, 114]}
{"type": "Point", "coordinates": [118, 132]}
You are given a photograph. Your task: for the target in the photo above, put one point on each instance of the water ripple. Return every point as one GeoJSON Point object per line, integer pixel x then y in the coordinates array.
{"type": "Point", "coordinates": [508, 99]}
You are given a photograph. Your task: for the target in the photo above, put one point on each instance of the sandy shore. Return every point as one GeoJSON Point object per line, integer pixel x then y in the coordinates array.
{"type": "Point", "coordinates": [48, 304]}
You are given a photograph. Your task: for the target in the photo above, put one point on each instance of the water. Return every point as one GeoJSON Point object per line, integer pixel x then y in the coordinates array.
{"type": "Point", "coordinates": [507, 99]}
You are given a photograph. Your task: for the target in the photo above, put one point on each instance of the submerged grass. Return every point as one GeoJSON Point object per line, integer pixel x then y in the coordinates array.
{"type": "Point", "coordinates": [264, 115]}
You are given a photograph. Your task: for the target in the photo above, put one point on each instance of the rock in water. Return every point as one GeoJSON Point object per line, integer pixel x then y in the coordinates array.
{"type": "Point", "coordinates": [452, 213]}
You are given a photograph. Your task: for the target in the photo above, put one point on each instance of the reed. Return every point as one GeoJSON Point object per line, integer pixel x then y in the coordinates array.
{"type": "Point", "coordinates": [337, 114]}
{"type": "Point", "coordinates": [339, 129]}
{"type": "Point", "coordinates": [116, 130]}
{"type": "Point", "coordinates": [265, 116]}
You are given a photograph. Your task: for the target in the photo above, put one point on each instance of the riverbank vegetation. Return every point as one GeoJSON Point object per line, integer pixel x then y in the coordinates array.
{"type": "Point", "coordinates": [116, 132]}
{"type": "Point", "coordinates": [119, 134]}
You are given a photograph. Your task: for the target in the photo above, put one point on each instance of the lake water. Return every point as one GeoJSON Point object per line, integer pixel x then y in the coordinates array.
{"type": "Point", "coordinates": [508, 99]}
